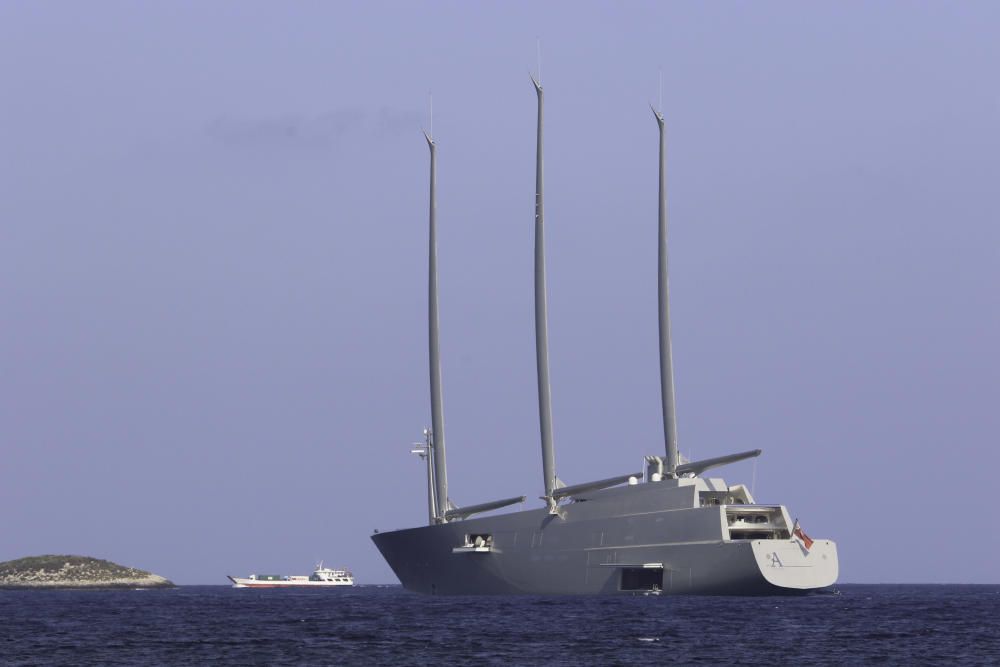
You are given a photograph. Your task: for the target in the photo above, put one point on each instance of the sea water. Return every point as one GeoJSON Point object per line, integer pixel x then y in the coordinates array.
{"type": "Point", "coordinates": [197, 625]}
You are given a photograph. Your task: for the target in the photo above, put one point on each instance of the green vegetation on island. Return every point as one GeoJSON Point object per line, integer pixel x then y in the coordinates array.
{"type": "Point", "coordinates": [51, 571]}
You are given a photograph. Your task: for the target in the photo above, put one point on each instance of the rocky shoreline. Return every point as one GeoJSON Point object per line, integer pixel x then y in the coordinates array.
{"type": "Point", "coordinates": [55, 572]}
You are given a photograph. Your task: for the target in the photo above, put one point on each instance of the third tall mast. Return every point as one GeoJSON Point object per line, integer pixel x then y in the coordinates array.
{"type": "Point", "coordinates": [663, 298]}
{"type": "Point", "coordinates": [541, 320]}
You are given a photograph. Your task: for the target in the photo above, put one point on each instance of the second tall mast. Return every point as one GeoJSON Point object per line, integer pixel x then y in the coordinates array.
{"type": "Point", "coordinates": [541, 321]}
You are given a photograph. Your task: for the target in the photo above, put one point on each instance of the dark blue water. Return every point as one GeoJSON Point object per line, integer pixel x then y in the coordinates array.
{"type": "Point", "coordinates": [195, 625]}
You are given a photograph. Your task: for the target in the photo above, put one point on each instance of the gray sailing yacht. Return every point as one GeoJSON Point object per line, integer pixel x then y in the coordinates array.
{"type": "Point", "coordinates": [667, 529]}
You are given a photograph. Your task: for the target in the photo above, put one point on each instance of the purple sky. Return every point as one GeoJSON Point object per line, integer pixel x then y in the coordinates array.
{"type": "Point", "coordinates": [212, 269]}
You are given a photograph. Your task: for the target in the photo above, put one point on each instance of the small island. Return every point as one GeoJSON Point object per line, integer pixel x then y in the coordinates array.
{"type": "Point", "coordinates": [75, 572]}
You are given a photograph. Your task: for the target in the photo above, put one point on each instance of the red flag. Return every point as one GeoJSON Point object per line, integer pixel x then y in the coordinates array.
{"type": "Point", "coordinates": [799, 533]}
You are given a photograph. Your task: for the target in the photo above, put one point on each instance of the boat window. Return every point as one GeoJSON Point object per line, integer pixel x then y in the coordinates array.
{"type": "Point", "coordinates": [761, 524]}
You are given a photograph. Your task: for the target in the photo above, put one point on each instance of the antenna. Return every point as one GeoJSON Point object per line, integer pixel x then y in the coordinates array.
{"type": "Point", "coordinates": [435, 439]}
{"type": "Point", "coordinates": [541, 320]}
{"type": "Point", "coordinates": [425, 451]}
{"type": "Point", "coordinates": [661, 91]}
{"type": "Point", "coordinates": [669, 406]}
{"type": "Point", "coordinates": [538, 48]}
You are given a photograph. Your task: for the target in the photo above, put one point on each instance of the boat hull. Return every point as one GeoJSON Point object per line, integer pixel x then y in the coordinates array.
{"type": "Point", "coordinates": [241, 582]}
{"type": "Point", "coordinates": [600, 547]}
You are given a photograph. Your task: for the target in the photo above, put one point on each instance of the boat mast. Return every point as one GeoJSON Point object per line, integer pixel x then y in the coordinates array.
{"type": "Point", "coordinates": [666, 352]}
{"type": "Point", "coordinates": [436, 438]}
{"type": "Point", "coordinates": [541, 321]}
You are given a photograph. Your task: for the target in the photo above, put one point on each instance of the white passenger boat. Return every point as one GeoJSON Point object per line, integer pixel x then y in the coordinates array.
{"type": "Point", "coordinates": [322, 577]}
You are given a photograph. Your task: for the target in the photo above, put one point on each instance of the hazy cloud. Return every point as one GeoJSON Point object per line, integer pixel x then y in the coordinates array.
{"type": "Point", "coordinates": [322, 131]}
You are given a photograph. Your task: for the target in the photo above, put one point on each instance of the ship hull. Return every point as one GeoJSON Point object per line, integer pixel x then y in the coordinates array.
{"type": "Point", "coordinates": [626, 541]}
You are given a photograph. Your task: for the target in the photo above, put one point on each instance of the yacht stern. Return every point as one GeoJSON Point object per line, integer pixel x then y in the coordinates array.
{"type": "Point", "coordinates": [791, 564]}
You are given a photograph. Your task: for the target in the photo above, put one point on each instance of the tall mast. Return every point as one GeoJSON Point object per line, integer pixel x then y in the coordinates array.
{"type": "Point", "coordinates": [663, 294]}
{"type": "Point", "coordinates": [436, 440]}
{"type": "Point", "coordinates": [541, 321]}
